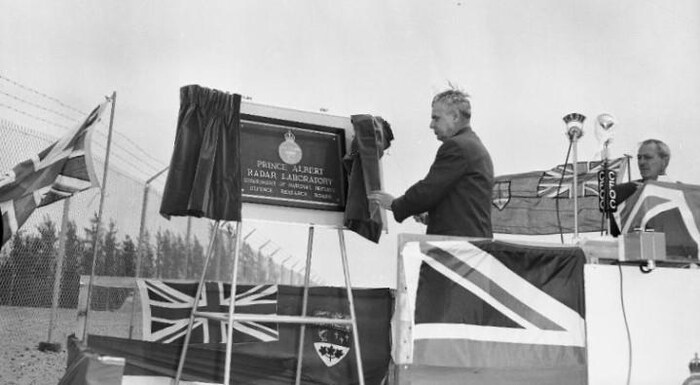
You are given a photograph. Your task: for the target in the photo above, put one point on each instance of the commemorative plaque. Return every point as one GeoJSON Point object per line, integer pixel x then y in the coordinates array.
{"type": "Point", "coordinates": [293, 164]}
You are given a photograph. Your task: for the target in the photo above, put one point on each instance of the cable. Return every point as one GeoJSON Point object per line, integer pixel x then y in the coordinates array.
{"type": "Point", "coordinates": [556, 197]}
{"type": "Point", "coordinates": [602, 224]}
{"type": "Point", "coordinates": [627, 327]}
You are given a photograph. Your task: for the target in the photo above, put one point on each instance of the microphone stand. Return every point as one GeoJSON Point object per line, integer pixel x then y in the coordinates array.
{"type": "Point", "coordinates": [574, 125]}
{"type": "Point", "coordinates": [574, 134]}
{"type": "Point", "coordinates": [574, 159]}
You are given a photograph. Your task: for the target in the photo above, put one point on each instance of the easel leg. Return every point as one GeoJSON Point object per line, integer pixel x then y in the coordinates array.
{"type": "Point", "coordinates": [231, 307]}
{"type": "Point", "coordinates": [305, 302]}
{"type": "Point", "coordinates": [183, 354]}
{"type": "Point", "coordinates": [351, 302]}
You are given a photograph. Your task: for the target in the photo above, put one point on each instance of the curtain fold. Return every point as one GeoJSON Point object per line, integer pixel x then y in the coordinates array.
{"type": "Point", "coordinates": [373, 135]}
{"type": "Point", "coordinates": [204, 178]}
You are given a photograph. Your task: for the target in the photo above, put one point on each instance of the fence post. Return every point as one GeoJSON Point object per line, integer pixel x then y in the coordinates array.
{"type": "Point", "coordinates": [57, 277]}
{"type": "Point", "coordinates": [141, 246]}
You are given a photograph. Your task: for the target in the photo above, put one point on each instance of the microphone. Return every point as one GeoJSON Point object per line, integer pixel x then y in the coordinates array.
{"type": "Point", "coordinates": [607, 198]}
{"type": "Point", "coordinates": [604, 129]}
{"type": "Point", "coordinates": [606, 121]}
{"type": "Point", "coordinates": [574, 125]}
{"type": "Point", "coordinates": [607, 178]}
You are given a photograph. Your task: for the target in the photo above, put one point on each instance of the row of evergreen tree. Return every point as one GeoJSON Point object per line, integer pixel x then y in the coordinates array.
{"type": "Point", "coordinates": [27, 271]}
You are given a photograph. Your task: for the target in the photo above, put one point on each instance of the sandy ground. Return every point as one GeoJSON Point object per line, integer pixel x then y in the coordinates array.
{"type": "Point", "coordinates": [22, 329]}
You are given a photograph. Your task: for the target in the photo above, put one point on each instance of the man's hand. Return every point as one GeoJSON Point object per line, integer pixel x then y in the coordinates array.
{"type": "Point", "coordinates": [382, 198]}
{"type": "Point", "coordinates": [421, 218]}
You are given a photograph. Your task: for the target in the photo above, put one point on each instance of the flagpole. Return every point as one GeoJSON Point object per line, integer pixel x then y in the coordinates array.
{"type": "Point", "coordinates": [96, 243]}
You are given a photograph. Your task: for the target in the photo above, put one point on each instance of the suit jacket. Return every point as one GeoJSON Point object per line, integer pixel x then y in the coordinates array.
{"type": "Point", "coordinates": [456, 193]}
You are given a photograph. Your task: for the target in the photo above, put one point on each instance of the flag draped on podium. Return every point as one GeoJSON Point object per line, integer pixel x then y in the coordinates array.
{"type": "Point", "coordinates": [541, 202]}
{"type": "Point", "coordinates": [56, 173]}
{"type": "Point", "coordinates": [671, 208]}
{"type": "Point", "coordinates": [496, 307]}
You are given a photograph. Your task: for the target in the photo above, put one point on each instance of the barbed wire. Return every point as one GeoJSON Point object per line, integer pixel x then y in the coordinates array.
{"type": "Point", "coordinates": [138, 167]}
{"type": "Point", "coordinates": [134, 167]}
{"type": "Point", "coordinates": [123, 160]}
{"type": "Point", "coordinates": [136, 146]}
{"type": "Point", "coordinates": [159, 164]}
{"type": "Point", "coordinates": [25, 130]}
{"type": "Point", "coordinates": [32, 116]}
{"type": "Point", "coordinates": [37, 106]}
{"type": "Point", "coordinates": [154, 167]}
{"type": "Point", "coordinates": [22, 86]}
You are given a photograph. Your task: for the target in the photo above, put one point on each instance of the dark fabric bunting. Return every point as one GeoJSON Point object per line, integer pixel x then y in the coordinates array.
{"type": "Point", "coordinates": [541, 202]}
{"type": "Point", "coordinates": [329, 354]}
{"type": "Point", "coordinates": [204, 176]}
{"type": "Point", "coordinates": [373, 135]}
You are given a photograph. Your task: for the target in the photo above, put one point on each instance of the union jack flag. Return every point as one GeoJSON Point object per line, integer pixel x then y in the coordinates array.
{"type": "Point", "coordinates": [59, 171]}
{"type": "Point", "coordinates": [549, 185]}
{"type": "Point", "coordinates": [493, 305]}
{"type": "Point", "coordinates": [167, 307]}
{"type": "Point", "coordinates": [670, 208]}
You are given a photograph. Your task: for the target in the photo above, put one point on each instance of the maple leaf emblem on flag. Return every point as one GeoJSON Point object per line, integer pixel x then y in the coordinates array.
{"type": "Point", "coordinates": [333, 340]}
{"type": "Point", "coordinates": [167, 307]}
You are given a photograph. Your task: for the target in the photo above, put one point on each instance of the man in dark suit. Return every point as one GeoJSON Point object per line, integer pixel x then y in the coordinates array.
{"type": "Point", "coordinates": [653, 157]}
{"type": "Point", "coordinates": [456, 193]}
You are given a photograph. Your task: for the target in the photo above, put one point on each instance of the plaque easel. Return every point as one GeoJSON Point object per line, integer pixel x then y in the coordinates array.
{"type": "Point", "coordinates": [302, 319]}
{"type": "Point", "coordinates": [257, 209]}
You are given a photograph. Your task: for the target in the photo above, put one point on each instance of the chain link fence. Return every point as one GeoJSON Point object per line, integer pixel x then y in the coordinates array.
{"type": "Point", "coordinates": [41, 265]}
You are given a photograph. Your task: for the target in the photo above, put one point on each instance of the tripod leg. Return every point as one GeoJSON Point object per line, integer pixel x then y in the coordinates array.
{"type": "Point", "coordinates": [231, 307]}
{"type": "Point", "coordinates": [305, 302]}
{"type": "Point", "coordinates": [183, 354]}
{"type": "Point", "coordinates": [351, 302]}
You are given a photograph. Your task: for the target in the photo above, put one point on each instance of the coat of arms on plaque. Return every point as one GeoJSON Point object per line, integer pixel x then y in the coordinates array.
{"type": "Point", "coordinates": [289, 151]}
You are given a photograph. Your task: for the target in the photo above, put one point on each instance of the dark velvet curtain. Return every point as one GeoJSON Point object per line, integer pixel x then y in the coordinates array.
{"type": "Point", "coordinates": [373, 135]}
{"type": "Point", "coordinates": [204, 176]}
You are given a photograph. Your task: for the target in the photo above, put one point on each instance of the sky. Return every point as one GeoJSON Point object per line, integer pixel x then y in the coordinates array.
{"type": "Point", "coordinates": [525, 65]}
